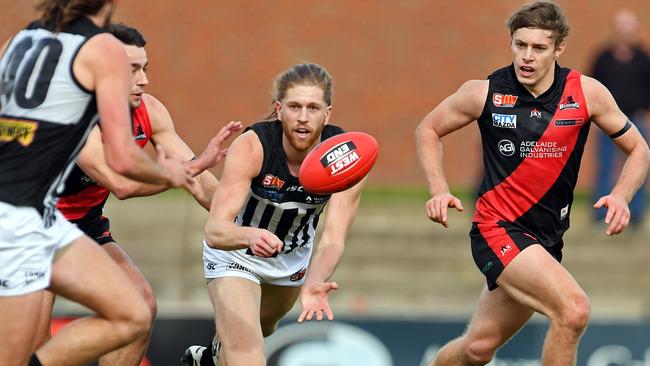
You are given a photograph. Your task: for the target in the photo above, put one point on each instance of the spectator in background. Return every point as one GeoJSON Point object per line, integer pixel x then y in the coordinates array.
{"type": "Point", "coordinates": [624, 68]}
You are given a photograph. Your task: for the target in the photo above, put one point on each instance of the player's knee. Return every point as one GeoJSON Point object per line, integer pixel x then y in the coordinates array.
{"type": "Point", "coordinates": [479, 352]}
{"type": "Point", "coordinates": [136, 324]}
{"type": "Point", "coordinates": [575, 315]}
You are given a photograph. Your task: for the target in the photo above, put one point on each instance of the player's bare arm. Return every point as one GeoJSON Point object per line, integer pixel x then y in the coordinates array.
{"type": "Point", "coordinates": [339, 217]}
{"type": "Point", "coordinates": [455, 112]}
{"type": "Point", "coordinates": [164, 133]}
{"type": "Point", "coordinates": [95, 72]}
{"type": "Point", "coordinates": [92, 161]}
{"type": "Point", "coordinates": [609, 118]}
{"type": "Point", "coordinates": [243, 163]}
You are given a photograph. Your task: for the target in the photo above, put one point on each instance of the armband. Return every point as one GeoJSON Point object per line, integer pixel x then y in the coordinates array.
{"type": "Point", "coordinates": [623, 130]}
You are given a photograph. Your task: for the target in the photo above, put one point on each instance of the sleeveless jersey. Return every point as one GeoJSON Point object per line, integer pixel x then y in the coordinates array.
{"type": "Point", "coordinates": [532, 149]}
{"type": "Point", "coordinates": [276, 200]}
{"type": "Point", "coordinates": [46, 114]}
{"type": "Point", "coordinates": [83, 197]}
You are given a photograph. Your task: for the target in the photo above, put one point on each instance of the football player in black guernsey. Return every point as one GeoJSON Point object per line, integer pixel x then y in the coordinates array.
{"type": "Point", "coordinates": [259, 236]}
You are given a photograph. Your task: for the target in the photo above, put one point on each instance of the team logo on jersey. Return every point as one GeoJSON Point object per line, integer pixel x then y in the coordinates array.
{"type": "Point", "coordinates": [567, 102]}
{"type": "Point", "coordinates": [504, 120]}
{"type": "Point", "coordinates": [569, 122]}
{"type": "Point", "coordinates": [138, 133]}
{"type": "Point", "coordinates": [506, 147]}
{"type": "Point", "coordinates": [298, 275]}
{"type": "Point", "coordinates": [340, 158]}
{"type": "Point", "coordinates": [504, 100]}
{"type": "Point", "coordinates": [271, 181]}
{"type": "Point", "coordinates": [21, 131]}
{"type": "Point", "coordinates": [535, 113]}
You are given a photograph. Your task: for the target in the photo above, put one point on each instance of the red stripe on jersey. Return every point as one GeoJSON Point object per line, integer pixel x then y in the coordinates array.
{"type": "Point", "coordinates": [499, 241]}
{"type": "Point", "coordinates": [76, 206]}
{"type": "Point", "coordinates": [528, 183]}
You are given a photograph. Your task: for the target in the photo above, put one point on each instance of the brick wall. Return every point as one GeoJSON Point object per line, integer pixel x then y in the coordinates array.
{"type": "Point", "coordinates": [393, 61]}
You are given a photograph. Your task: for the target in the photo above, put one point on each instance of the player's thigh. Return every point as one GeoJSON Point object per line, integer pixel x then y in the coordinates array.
{"type": "Point", "coordinates": [86, 274]}
{"type": "Point", "coordinates": [276, 302]}
{"type": "Point", "coordinates": [236, 303]}
{"type": "Point", "coordinates": [537, 280]}
{"type": "Point", "coordinates": [18, 323]}
{"type": "Point", "coordinates": [124, 261]}
{"type": "Point", "coordinates": [497, 318]}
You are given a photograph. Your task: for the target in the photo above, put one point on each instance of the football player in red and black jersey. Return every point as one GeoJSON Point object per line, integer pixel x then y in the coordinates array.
{"type": "Point", "coordinates": [534, 117]}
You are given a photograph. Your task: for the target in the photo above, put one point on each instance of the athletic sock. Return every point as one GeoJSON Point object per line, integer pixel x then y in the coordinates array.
{"type": "Point", "coordinates": [34, 361]}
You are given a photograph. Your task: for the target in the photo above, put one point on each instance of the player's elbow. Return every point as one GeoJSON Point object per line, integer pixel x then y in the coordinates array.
{"type": "Point", "coordinates": [212, 235]}
{"type": "Point", "coordinates": [420, 130]}
{"type": "Point", "coordinates": [122, 192]}
{"type": "Point", "coordinates": [425, 131]}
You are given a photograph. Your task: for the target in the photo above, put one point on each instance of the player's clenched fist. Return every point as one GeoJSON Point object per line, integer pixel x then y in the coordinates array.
{"type": "Point", "coordinates": [437, 207]}
{"type": "Point", "coordinates": [263, 243]}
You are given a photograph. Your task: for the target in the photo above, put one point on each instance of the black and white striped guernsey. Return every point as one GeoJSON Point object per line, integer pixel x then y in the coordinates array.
{"type": "Point", "coordinates": [46, 113]}
{"type": "Point", "coordinates": [276, 200]}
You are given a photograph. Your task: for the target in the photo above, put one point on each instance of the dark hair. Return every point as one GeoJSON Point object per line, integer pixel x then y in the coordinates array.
{"type": "Point", "coordinates": [63, 12]}
{"type": "Point", "coordinates": [301, 74]}
{"type": "Point", "coordinates": [128, 35]}
{"type": "Point", "coordinates": [541, 14]}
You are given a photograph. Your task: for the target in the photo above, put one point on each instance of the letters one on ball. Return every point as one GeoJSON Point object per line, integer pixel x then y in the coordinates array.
{"type": "Point", "coordinates": [338, 163]}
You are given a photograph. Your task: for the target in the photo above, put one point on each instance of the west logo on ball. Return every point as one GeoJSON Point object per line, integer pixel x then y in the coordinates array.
{"type": "Point", "coordinates": [340, 158]}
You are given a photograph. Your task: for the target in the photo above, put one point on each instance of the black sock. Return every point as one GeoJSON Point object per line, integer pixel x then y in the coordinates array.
{"type": "Point", "coordinates": [206, 357]}
{"type": "Point", "coordinates": [34, 361]}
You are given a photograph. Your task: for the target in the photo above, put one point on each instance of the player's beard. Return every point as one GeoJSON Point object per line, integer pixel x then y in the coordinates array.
{"type": "Point", "coordinates": [304, 145]}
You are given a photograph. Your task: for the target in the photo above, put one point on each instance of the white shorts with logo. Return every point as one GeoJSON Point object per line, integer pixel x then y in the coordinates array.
{"type": "Point", "coordinates": [284, 270]}
{"type": "Point", "coordinates": [27, 248]}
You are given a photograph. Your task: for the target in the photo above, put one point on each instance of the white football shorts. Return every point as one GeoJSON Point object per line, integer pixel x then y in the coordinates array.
{"type": "Point", "coordinates": [284, 270]}
{"type": "Point", "coordinates": [27, 248]}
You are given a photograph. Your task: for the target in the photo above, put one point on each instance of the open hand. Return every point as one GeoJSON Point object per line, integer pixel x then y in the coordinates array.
{"type": "Point", "coordinates": [215, 151]}
{"type": "Point", "coordinates": [314, 301]}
